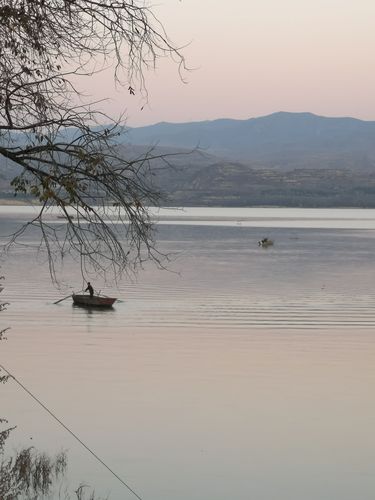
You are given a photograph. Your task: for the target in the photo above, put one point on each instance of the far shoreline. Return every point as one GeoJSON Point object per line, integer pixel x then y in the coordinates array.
{"type": "Point", "coordinates": [28, 203]}
{"type": "Point", "coordinates": [17, 203]}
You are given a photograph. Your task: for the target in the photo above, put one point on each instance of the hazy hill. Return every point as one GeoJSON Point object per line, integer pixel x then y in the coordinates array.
{"type": "Point", "coordinates": [289, 159]}
{"type": "Point", "coordinates": [282, 139]}
{"type": "Point", "coordinates": [296, 159]}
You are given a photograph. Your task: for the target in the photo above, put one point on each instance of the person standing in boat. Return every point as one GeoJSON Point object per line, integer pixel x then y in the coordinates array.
{"type": "Point", "coordinates": [90, 289]}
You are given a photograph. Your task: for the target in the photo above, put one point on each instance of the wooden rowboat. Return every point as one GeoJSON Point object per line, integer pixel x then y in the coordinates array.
{"type": "Point", "coordinates": [95, 301]}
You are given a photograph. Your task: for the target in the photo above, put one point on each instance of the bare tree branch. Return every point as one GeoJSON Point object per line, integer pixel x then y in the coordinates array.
{"type": "Point", "coordinates": [66, 157]}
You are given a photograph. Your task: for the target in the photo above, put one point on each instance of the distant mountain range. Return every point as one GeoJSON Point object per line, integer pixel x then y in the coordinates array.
{"type": "Point", "coordinates": [289, 159]}
{"type": "Point", "coordinates": [284, 159]}
{"type": "Point", "coordinates": [281, 138]}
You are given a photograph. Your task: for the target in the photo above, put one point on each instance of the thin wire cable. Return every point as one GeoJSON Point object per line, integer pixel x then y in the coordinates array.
{"type": "Point", "coordinates": [71, 432]}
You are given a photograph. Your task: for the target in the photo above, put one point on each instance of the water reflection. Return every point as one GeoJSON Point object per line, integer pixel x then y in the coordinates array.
{"type": "Point", "coordinates": [243, 374]}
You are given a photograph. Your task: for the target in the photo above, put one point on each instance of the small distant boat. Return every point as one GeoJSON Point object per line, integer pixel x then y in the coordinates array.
{"type": "Point", "coordinates": [95, 301]}
{"type": "Point", "coordinates": [265, 242]}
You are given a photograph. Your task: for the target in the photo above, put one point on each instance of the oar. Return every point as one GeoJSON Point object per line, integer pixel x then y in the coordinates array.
{"type": "Point", "coordinates": [67, 297]}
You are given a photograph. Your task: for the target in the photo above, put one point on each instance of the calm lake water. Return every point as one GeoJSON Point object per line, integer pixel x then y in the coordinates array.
{"type": "Point", "coordinates": [241, 373]}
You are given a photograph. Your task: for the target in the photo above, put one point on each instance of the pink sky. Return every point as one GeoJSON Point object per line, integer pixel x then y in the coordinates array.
{"type": "Point", "coordinates": [255, 57]}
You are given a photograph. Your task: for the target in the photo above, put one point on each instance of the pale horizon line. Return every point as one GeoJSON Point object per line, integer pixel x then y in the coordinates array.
{"type": "Point", "coordinates": [210, 120]}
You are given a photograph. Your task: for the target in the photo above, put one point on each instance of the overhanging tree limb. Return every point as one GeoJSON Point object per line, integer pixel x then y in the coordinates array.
{"type": "Point", "coordinates": [67, 158]}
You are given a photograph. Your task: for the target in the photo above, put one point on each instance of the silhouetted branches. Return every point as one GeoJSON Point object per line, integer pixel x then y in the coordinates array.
{"type": "Point", "coordinates": [62, 155]}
